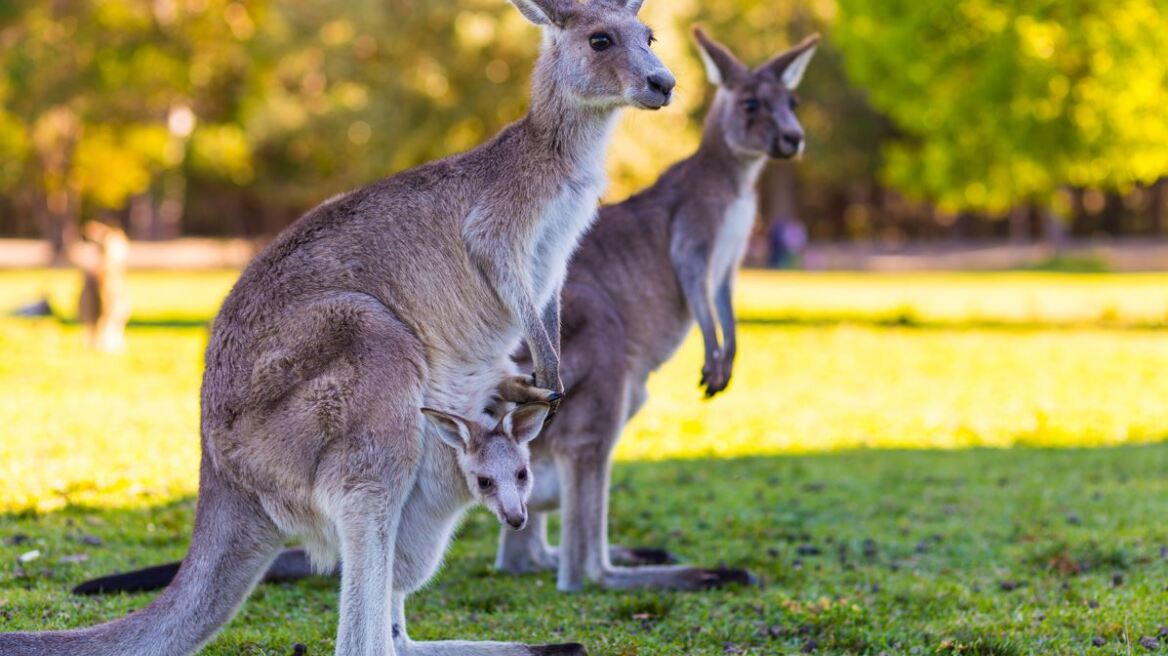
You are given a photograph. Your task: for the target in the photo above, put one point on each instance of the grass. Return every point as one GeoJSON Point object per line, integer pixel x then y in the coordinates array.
{"type": "Point", "coordinates": [908, 551]}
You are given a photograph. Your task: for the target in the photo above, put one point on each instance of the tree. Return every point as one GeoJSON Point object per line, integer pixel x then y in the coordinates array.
{"type": "Point", "coordinates": [1007, 102]}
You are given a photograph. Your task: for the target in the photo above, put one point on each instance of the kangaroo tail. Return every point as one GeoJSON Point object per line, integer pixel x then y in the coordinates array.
{"type": "Point", "coordinates": [232, 545]}
{"type": "Point", "coordinates": [290, 565]}
{"type": "Point", "coordinates": [139, 580]}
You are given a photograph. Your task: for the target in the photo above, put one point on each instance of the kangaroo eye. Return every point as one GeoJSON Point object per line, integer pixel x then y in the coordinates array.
{"type": "Point", "coordinates": [793, 103]}
{"type": "Point", "coordinates": [522, 475]}
{"type": "Point", "coordinates": [652, 40]}
{"type": "Point", "coordinates": [600, 41]}
{"type": "Point", "coordinates": [751, 105]}
{"type": "Point", "coordinates": [485, 483]}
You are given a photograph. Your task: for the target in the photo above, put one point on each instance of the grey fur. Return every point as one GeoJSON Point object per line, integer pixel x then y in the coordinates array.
{"type": "Point", "coordinates": [409, 292]}
{"type": "Point", "coordinates": [651, 266]}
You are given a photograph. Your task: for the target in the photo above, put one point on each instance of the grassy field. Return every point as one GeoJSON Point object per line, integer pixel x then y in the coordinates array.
{"type": "Point", "coordinates": [970, 551]}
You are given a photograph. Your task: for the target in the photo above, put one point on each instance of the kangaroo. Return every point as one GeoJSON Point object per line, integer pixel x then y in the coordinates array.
{"type": "Point", "coordinates": [104, 305]}
{"type": "Point", "coordinates": [648, 268]}
{"type": "Point", "coordinates": [476, 464]}
{"type": "Point", "coordinates": [651, 266]}
{"type": "Point", "coordinates": [410, 292]}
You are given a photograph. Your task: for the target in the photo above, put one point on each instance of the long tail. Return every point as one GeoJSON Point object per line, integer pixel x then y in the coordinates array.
{"type": "Point", "coordinates": [290, 565]}
{"type": "Point", "coordinates": [231, 547]}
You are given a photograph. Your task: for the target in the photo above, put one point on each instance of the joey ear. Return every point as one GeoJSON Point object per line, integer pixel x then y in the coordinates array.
{"type": "Point", "coordinates": [722, 67]}
{"type": "Point", "coordinates": [790, 65]}
{"type": "Point", "coordinates": [634, 5]}
{"type": "Point", "coordinates": [451, 429]}
{"type": "Point", "coordinates": [524, 422]}
{"type": "Point", "coordinates": [544, 12]}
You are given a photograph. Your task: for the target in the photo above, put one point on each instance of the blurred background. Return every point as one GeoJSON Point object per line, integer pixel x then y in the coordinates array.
{"type": "Point", "coordinates": [933, 127]}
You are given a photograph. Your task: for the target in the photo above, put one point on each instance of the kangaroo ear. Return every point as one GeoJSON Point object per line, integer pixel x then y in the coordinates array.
{"type": "Point", "coordinates": [544, 12]}
{"type": "Point", "coordinates": [524, 422]}
{"type": "Point", "coordinates": [789, 66]}
{"type": "Point", "coordinates": [451, 429]}
{"type": "Point", "coordinates": [634, 5]}
{"type": "Point", "coordinates": [722, 67]}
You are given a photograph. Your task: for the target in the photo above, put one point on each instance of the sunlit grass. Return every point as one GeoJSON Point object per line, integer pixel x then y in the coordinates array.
{"type": "Point", "coordinates": [1024, 298]}
{"type": "Point", "coordinates": [121, 430]}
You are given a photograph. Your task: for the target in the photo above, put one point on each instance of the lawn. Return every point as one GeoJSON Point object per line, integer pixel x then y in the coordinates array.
{"type": "Point", "coordinates": [841, 475]}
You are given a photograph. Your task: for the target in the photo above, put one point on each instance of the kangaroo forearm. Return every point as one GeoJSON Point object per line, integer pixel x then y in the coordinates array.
{"type": "Point", "coordinates": [725, 302]}
{"type": "Point", "coordinates": [551, 321]}
{"type": "Point", "coordinates": [700, 306]}
{"type": "Point", "coordinates": [545, 357]}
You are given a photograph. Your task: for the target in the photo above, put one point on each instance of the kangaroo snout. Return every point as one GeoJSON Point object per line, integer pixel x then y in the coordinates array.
{"type": "Point", "coordinates": [787, 144]}
{"type": "Point", "coordinates": [663, 83]}
{"type": "Point", "coordinates": [658, 90]}
{"type": "Point", "coordinates": [516, 520]}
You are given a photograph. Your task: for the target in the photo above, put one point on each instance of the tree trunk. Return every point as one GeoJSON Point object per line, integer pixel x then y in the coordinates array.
{"type": "Point", "coordinates": [1156, 207]}
{"type": "Point", "coordinates": [1019, 224]}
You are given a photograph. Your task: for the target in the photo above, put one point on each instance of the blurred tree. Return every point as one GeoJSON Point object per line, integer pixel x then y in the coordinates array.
{"type": "Point", "coordinates": [105, 93]}
{"type": "Point", "coordinates": [1004, 103]}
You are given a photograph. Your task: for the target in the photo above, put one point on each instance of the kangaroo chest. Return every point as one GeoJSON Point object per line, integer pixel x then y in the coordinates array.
{"type": "Point", "coordinates": [564, 221]}
{"type": "Point", "coordinates": [731, 240]}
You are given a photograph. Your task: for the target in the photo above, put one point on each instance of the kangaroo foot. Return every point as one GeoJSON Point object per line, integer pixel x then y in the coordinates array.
{"type": "Point", "coordinates": [565, 649]}
{"type": "Point", "coordinates": [708, 579]}
{"type": "Point", "coordinates": [638, 556]}
{"type": "Point", "coordinates": [674, 578]}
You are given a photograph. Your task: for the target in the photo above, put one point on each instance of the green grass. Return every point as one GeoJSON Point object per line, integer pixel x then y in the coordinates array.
{"type": "Point", "coordinates": [972, 551]}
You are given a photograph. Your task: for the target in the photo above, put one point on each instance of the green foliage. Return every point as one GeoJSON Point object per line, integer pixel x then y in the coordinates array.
{"type": "Point", "coordinates": [1000, 102]}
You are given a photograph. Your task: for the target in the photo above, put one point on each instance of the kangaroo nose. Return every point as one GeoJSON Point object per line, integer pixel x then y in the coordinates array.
{"type": "Point", "coordinates": [517, 521]}
{"type": "Point", "coordinates": [662, 83]}
{"type": "Point", "coordinates": [788, 144]}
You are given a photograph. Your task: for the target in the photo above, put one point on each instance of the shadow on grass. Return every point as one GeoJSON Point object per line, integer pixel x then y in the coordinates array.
{"type": "Point", "coordinates": [859, 552]}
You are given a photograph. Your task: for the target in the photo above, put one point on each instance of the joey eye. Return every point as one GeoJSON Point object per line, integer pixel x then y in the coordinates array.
{"type": "Point", "coordinates": [485, 483]}
{"type": "Point", "coordinates": [793, 103]}
{"type": "Point", "coordinates": [600, 41]}
{"type": "Point", "coordinates": [751, 105]}
{"type": "Point", "coordinates": [521, 476]}
{"type": "Point", "coordinates": [652, 40]}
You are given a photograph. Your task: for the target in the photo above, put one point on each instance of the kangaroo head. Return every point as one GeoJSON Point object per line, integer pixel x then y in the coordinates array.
{"type": "Point", "coordinates": [597, 53]}
{"type": "Point", "coordinates": [755, 109]}
{"type": "Point", "coordinates": [495, 461]}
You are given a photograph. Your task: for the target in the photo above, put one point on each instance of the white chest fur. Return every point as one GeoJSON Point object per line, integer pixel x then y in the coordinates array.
{"type": "Point", "coordinates": [730, 244]}
{"type": "Point", "coordinates": [564, 222]}
{"type": "Point", "coordinates": [570, 213]}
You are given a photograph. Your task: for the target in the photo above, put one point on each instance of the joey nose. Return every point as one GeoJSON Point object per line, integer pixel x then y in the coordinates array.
{"type": "Point", "coordinates": [517, 521]}
{"type": "Point", "coordinates": [663, 83]}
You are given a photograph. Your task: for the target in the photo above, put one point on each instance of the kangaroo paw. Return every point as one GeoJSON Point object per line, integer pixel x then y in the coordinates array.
{"type": "Point", "coordinates": [522, 389]}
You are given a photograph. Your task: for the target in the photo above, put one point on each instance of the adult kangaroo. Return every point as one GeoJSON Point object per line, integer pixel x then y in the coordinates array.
{"type": "Point", "coordinates": [408, 293]}
{"type": "Point", "coordinates": [651, 266]}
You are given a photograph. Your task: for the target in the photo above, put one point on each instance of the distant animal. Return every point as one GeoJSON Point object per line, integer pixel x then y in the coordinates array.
{"type": "Point", "coordinates": [651, 266]}
{"type": "Point", "coordinates": [104, 305]}
{"type": "Point", "coordinates": [411, 292]}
